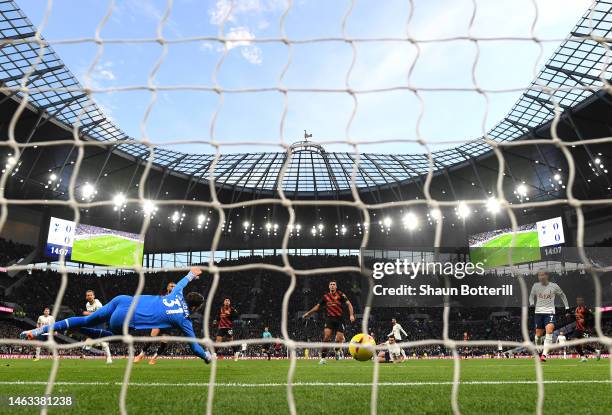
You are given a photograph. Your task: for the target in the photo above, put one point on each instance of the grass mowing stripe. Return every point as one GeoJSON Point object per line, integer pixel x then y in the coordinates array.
{"type": "Point", "coordinates": [322, 384]}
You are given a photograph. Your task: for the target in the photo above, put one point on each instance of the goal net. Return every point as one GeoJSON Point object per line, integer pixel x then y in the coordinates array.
{"type": "Point", "coordinates": [391, 180]}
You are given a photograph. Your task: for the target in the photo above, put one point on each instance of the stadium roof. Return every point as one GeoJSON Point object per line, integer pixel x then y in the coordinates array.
{"type": "Point", "coordinates": [572, 74]}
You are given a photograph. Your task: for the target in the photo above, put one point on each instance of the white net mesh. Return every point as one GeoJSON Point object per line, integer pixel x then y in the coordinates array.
{"type": "Point", "coordinates": [35, 77]}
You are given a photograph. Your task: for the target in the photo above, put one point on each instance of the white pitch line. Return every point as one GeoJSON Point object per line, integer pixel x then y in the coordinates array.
{"type": "Point", "coordinates": [315, 384]}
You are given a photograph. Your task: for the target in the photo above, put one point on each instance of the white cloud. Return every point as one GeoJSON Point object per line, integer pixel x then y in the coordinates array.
{"type": "Point", "coordinates": [155, 14]}
{"type": "Point", "coordinates": [99, 76]}
{"type": "Point", "coordinates": [206, 46]}
{"type": "Point", "coordinates": [243, 14]}
{"type": "Point", "coordinates": [221, 12]}
{"type": "Point", "coordinates": [239, 36]}
{"type": "Point", "coordinates": [252, 54]}
{"type": "Point", "coordinates": [233, 11]}
{"type": "Point", "coordinates": [104, 71]}
{"type": "Point", "coordinates": [242, 38]}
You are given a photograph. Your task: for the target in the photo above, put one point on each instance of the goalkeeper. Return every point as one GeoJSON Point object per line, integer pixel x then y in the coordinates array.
{"type": "Point", "coordinates": [151, 311]}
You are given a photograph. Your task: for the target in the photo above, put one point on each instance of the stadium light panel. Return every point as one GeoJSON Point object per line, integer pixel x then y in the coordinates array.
{"type": "Point", "coordinates": [557, 176]}
{"type": "Point", "coordinates": [53, 177]}
{"type": "Point", "coordinates": [463, 210]}
{"type": "Point", "coordinates": [175, 216]}
{"type": "Point", "coordinates": [119, 200]}
{"type": "Point", "coordinates": [435, 214]}
{"type": "Point", "coordinates": [387, 221]}
{"type": "Point", "coordinates": [493, 205]}
{"type": "Point", "coordinates": [148, 208]}
{"type": "Point", "coordinates": [521, 190]}
{"type": "Point", "coordinates": [88, 191]}
{"type": "Point", "coordinates": [411, 221]}
{"type": "Point", "coordinates": [245, 224]}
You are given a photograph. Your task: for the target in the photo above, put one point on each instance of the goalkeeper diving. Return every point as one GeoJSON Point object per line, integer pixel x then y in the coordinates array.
{"type": "Point", "coordinates": [151, 311]}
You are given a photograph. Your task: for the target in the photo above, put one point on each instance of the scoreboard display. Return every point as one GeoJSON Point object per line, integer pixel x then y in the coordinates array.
{"type": "Point", "coordinates": [93, 244]}
{"type": "Point", "coordinates": [60, 238]}
{"type": "Point", "coordinates": [531, 242]}
{"type": "Point", "coordinates": [550, 232]}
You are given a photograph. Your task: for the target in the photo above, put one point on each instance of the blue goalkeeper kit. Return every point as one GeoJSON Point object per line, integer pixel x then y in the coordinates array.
{"type": "Point", "coordinates": [151, 311]}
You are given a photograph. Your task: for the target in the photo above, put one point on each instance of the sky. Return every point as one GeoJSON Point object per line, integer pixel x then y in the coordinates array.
{"type": "Point", "coordinates": [251, 121]}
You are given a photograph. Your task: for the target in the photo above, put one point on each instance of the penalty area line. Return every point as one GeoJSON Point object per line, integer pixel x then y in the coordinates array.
{"type": "Point", "coordinates": [310, 384]}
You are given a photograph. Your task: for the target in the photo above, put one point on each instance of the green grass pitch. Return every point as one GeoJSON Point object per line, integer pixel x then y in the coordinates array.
{"type": "Point", "coordinates": [494, 253]}
{"type": "Point", "coordinates": [341, 387]}
{"type": "Point", "coordinates": [107, 250]}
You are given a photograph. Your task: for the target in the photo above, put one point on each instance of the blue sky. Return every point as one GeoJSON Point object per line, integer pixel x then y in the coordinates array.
{"type": "Point", "coordinates": [255, 117]}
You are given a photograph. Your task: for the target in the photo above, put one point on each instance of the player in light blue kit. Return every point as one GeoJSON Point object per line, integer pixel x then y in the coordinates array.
{"type": "Point", "coordinates": [152, 311]}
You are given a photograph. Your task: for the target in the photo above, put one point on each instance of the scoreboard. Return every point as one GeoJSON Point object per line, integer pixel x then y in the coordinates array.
{"type": "Point", "coordinates": [550, 232]}
{"type": "Point", "coordinates": [60, 238]}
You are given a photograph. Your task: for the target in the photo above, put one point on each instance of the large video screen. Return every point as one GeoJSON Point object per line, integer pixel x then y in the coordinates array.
{"type": "Point", "coordinates": [92, 244]}
{"type": "Point", "coordinates": [492, 248]}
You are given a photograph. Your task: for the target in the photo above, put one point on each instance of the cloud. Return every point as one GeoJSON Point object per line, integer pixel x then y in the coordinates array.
{"type": "Point", "coordinates": [233, 11]}
{"type": "Point", "coordinates": [243, 14]}
{"type": "Point", "coordinates": [252, 54]}
{"type": "Point", "coordinates": [239, 36]}
{"type": "Point", "coordinates": [150, 11]}
{"type": "Point", "coordinates": [104, 71]}
{"type": "Point", "coordinates": [100, 76]}
{"type": "Point", "coordinates": [242, 38]}
{"type": "Point", "coordinates": [206, 46]}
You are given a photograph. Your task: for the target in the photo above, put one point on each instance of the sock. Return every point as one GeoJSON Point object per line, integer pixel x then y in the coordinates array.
{"type": "Point", "coordinates": [547, 342]}
{"type": "Point", "coordinates": [162, 348]}
{"type": "Point", "coordinates": [107, 351]}
{"type": "Point", "coordinates": [324, 352]}
{"type": "Point", "coordinates": [72, 322]}
{"type": "Point", "coordinates": [538, 343]}
{"type": "Point", "coordinates": [146, 349]}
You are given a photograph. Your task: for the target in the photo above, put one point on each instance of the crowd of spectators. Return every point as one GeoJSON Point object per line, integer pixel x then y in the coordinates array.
{"type": "Point", "coordinates": [258, 295]}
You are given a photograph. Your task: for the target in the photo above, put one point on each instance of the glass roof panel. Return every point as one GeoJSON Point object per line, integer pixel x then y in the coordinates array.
{"type": "Point", "coordinates": [573, 73]}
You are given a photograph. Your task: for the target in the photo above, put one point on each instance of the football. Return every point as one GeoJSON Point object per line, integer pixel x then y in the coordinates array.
{"type": "Point", "coordinates": [362, 347]}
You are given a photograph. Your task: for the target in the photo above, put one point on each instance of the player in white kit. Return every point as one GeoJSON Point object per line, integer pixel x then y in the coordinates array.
{"type": "Point", "coordinates": [561, 339]}
{"type": "Point", "coordinates": [393, 353]}
{"type": "Point", "coordinates": [397, 330]}
{"type": "Point", "coordinates": [543, 294]}
{"type": "Point", "coordinates": [92, 304]}
{"type": "Point", "coordinates": [46, 319]}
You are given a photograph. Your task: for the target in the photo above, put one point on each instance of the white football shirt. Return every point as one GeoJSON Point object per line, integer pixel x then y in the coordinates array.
{"type": "Point", "coordinates": [397, 331]}
{"type": "Point", "coordinates": [395, 351]}
{"type": "Point", "coordinates": [561, 339]}
{"type": "Point", "coordinates": [93, 307]}
{"type": "Point", "coordinates": [45, 321]}
{"type": "Point", "coordinates": [545, 297]}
